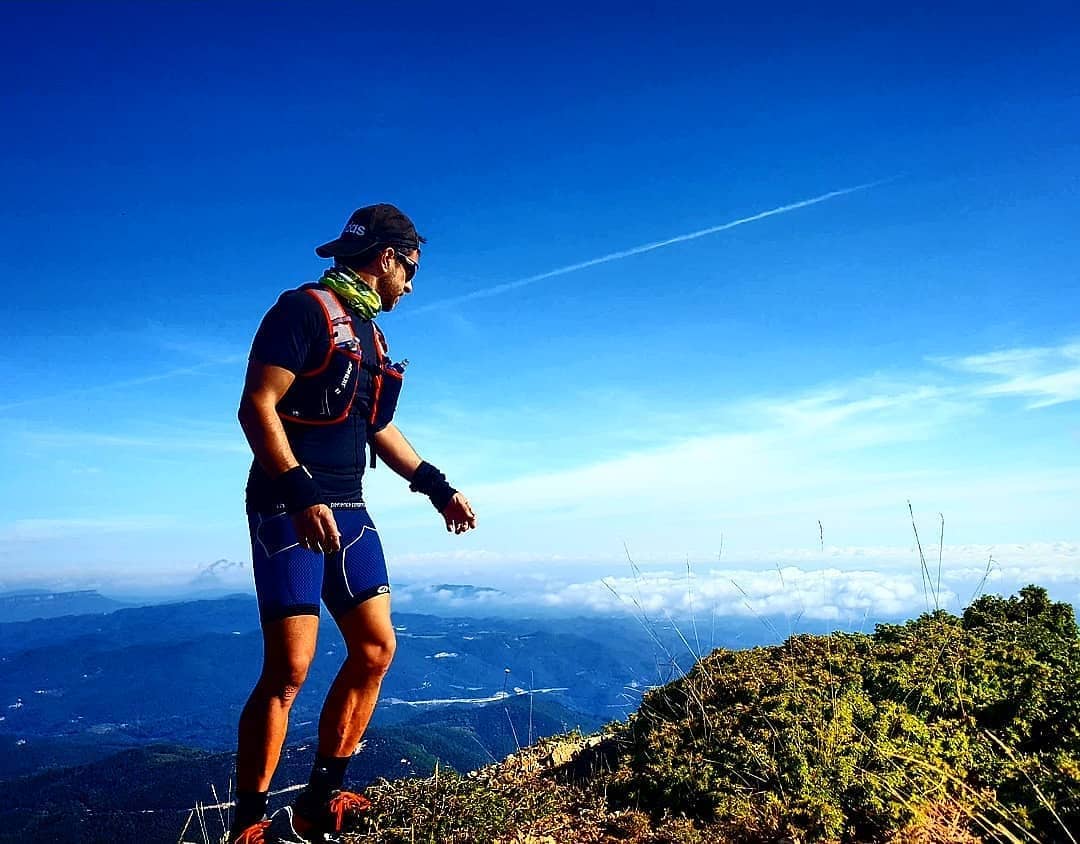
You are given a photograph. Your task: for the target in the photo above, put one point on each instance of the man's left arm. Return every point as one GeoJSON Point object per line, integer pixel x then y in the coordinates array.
{"type": "Point", "coordinates": [397, 453]}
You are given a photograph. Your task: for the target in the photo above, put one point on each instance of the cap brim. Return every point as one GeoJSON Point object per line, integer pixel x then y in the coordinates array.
{"type": "Point", "coordinates": [342, 248]}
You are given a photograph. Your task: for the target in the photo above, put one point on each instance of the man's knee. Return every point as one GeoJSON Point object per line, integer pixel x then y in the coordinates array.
{"type": "Point", "coordinates": [285, 680]}
{"type": "Point", "coordinates": [372, 658]}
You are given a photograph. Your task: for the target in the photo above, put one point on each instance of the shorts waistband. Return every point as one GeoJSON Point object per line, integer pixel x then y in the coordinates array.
{"type": "Point", "coordinates": [333, 505]}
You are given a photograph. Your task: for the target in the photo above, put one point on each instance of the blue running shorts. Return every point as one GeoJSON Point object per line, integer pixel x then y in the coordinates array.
{"type": "Point", "coordinates": [289, 580]}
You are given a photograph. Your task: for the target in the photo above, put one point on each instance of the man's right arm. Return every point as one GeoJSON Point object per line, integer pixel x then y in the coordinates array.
{"type": "Point", "coordinates": [264, 387]}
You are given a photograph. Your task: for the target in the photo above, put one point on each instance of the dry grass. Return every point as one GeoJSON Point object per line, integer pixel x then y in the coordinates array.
{"type": "Point", "coordinates": [550, 792]}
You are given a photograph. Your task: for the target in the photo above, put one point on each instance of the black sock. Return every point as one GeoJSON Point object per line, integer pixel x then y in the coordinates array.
{"type": "Point", "coordinates": [250, 808]}
{"type": "Point", "coordinates": [327, 776]}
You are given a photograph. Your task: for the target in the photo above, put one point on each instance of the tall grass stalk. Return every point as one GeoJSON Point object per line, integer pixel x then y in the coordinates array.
{"type": "Point", "coordinates": [513, 731]}
{"type": "Point", "coordinates": [982, 582]}
{"type": "Point", "coordinates": [693, 614]}
{"type": "Point", "coordinates": [219, 807]}
{"type": "Point", "coordinates": [1002, 810]}
{"type": "Point", "coordinates": [1038, 792]}
{"type": "Point", "coordinates": [765, 621]}
{"type": "Point", "coordinates": [927, 580]}
{"type": "Point", "coordinates": [197, 815]}
{"type": "Point", "coordinates": [941, 550]}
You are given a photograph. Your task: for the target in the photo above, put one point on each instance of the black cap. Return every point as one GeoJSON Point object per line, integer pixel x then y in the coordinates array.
{"type": "Point", "coordinates": [371, 225]}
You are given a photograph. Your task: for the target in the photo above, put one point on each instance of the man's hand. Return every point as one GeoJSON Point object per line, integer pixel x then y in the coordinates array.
{"type": "Point", "coordinates": [459, 514]}
{"type": "Point", "coordinates": [316, 529]}
{"type": "Point", "coordinates": [400, 456]}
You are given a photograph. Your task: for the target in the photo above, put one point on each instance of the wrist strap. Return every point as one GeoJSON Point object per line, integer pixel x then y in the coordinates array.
{"type": "Point", "coordinates": [432, 483]}
{"type": "Point", "coordinates": [298, 489]}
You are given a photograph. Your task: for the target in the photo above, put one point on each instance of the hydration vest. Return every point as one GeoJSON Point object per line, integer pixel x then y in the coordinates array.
{"type": "Point", "coordinates": [325, 395]}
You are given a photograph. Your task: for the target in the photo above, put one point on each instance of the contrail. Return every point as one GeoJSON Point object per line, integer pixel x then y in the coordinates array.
{"type": "Point", "coordinates": [647, 247]}
{"type": "Point", "coordinates": [497, 289]}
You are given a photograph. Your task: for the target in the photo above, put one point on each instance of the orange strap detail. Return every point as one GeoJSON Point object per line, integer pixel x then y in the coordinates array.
{"type": "Point", "coordinates": [338, 326]}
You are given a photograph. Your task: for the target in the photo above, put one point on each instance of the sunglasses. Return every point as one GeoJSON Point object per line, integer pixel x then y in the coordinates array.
{"type": "Point", "coordinates": [410, 265]}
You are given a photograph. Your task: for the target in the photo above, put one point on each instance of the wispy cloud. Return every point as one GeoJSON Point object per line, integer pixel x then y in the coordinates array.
{"type": "Point", "coordinates": [499, 289]}
{"type": "Point", "coordinates": [753, 476]}
{"type": "Point", "coordinates": [36, 530]}
{"type": "Point", "coordinates": [763, 471]}
{"type": "Point", "coordinates": [182, 440]}
{"type": "Point", "coordinates": [1047, 375]}
{"type": "Point", "coordinates": [962, 561]}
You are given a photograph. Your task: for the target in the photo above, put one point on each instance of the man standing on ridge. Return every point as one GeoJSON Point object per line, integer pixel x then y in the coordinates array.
{"type": "Point", "coordinates": [321, 391]}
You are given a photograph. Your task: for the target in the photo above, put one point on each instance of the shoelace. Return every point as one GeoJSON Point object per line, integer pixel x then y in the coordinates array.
{"type": "Point", "coordinates": [345, 801]}
{"type": "Point", "coordinates": [254, 834]}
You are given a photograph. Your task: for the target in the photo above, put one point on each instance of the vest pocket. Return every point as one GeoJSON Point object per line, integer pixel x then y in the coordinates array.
{"type": "Point", "coordinates": [387, 389]}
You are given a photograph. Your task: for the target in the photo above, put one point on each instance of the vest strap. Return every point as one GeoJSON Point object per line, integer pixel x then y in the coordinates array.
{"type": "Point", "coordinates": [339, 322]}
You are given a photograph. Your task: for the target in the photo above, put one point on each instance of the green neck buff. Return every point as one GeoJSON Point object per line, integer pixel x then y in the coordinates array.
{"type": "Point", "coordinates": [353, 291]}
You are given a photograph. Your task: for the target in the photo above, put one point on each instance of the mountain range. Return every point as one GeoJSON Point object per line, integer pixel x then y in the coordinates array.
{"type": "Point", "coordinates": [113, 723]}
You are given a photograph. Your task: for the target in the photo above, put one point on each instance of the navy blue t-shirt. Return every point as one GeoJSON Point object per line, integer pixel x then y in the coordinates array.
{"type": "Point", "coordinates": [294, 336]}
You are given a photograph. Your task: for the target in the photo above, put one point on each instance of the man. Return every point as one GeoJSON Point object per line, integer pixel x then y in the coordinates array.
{"type": "Point", "coordinates": [320, 391]}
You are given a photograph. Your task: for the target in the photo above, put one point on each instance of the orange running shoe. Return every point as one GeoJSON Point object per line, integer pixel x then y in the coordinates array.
{"type": "Point", "coordinates": [347, 807]}
{"type": "Point", "coordinates": [254, 834]}
{"type": "Point", "coordinates": [343, 812]}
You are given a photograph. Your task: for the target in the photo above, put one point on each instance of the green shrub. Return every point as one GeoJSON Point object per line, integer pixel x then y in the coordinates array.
{"type": "Point", "coordinates": [944, 728]}
{"type": "Point", "coordinates": [857, 737]}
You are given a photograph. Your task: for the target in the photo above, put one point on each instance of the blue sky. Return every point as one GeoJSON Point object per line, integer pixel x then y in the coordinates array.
{"type": "Point", "coordinates": [169, 169]}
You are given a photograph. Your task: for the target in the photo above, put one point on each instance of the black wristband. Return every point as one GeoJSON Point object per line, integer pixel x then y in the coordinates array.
{"type": "Point", "coordinates": [298, 489]}
{"type": "Point", "coordinates": [432, 483]}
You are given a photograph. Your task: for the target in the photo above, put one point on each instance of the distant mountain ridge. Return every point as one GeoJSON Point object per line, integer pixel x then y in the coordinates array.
{"type": "Point", "coordinates": [465, 589]}
{"type": "Point", "coordinates": [29, 604]}
{"type": "Point", "coordinates": [86, 701]}
{"type": "Point", "coordinates": [67, 683]}
{"type": "Point", "coordinates": [142, 794]}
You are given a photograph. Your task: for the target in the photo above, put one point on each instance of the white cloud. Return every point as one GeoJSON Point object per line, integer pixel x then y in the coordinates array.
{"type": "Point", "coordinates": [38, 530]}
{"type": "Point", "coordinates": [842, 585]}
{"type": "Point", "coordinates": [763, 471]}
{"type": "Point", "coordinates": [1047, 375]}
{"type": "Point", "coordinates": [85, 439]}
{"type": "Point", "coordinates": [178, 436]}
{"type": "Point", "coordinates": [753, 476]}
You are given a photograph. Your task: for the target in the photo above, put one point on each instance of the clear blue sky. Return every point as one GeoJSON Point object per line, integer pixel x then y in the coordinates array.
{"type": "Point", "coordinates": [169, 168]}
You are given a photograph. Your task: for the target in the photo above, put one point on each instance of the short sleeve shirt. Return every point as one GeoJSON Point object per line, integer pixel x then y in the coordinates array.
{"type": "Point", "coordinates": [293, 335]}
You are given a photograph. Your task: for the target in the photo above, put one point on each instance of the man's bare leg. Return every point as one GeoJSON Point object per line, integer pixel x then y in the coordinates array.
{"type": "Point", "coordinates": [288, 648]}
{"type": "Point", "coordinates": [369, 638]}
